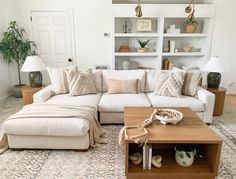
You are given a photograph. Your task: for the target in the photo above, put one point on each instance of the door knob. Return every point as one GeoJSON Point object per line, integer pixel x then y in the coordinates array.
{"type": "Point", "coordinates": [69, 60]}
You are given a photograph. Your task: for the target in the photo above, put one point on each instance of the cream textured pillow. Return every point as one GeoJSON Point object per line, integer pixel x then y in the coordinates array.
{"type": "Point", "coordinates": [58, 80]}
{"type": "Point", "coordinates": [80, 82]}
{"type": "Point", "coordinates": [123, 86]}
{"type": "Point", "coordinates": [191, 81]}
{"type": "Point", "coordinates": [169, 83]}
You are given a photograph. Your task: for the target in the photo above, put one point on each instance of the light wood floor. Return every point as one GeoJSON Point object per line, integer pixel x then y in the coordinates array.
{"type": "Point", "coordinates": [231, 99]}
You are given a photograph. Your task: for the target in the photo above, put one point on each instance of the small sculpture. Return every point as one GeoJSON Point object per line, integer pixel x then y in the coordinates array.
{"type": "Point", "coordinates": [156, 161]}
{"type": "Point", "coordinates": [136, 158]}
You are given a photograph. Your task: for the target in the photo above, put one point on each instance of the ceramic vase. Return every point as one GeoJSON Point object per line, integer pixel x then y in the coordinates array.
{"type": "Point", "coordinates": [126, 65]}
{"type": "Point", "coordinates": [184, 158]}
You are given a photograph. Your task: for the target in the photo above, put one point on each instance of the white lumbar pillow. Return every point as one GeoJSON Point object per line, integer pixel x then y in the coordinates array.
{"type": "Point", "coordinates": [58, 80]}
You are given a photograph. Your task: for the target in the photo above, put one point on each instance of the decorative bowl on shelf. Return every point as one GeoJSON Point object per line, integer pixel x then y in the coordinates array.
{"type": "Point", "coordinates": [188, 49]}
{"type": "Point", "coordinates": [169, 116]}
{"type": "Point", "coordinates": [143, 50]}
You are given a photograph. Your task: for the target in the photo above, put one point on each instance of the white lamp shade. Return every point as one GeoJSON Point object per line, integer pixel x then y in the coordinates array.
{"type": "Point", "coordinates": [33, 63]}
{"type": "Point", "coordinates": [215, 64]}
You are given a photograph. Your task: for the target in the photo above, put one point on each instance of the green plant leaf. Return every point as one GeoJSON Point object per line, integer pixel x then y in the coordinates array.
{"type": "Point", "coordinates": [181, 155]}
{"type": "Point", "coordinates": [188, 154]}
{"type": "Point", "coordinates": [15, 46]}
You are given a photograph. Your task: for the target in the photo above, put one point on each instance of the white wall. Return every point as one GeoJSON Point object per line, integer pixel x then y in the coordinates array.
{"type": "Point", "coordinates": [91, 19]}
{"type": "Point", "coordinates": [224, 40]}
{"type": "Point", "coordinates": [5, 17]}
{"type": "Point", "coordinates": [94, 17]}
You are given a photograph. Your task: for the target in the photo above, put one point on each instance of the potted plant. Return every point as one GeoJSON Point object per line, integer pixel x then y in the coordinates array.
{"type": "Point", "coordinates": [184, 154]}
{"type": "Point", "coordinates": [143, 46]}
{"type": "Point", "coordinates": [190, 23]}
{"type": "Point", "coordinates": [15, 47]}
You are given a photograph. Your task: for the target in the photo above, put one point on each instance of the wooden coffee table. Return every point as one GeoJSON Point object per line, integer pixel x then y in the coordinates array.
{"type": "Point", "coordinates": [191, 129]}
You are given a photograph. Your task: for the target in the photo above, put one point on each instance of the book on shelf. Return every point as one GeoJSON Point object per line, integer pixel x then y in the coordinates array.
{"type": "Point", "coordinates": [147, 156]}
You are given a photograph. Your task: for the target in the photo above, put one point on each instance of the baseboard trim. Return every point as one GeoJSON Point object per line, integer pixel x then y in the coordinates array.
{"type": "Point", "coordinates": [5, 97]}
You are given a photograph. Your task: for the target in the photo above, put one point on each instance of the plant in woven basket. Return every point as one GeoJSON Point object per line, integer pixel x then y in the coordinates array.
{"type": "Point", "coordinates": [15, 47]}
{"type": "Point", "coordinates": [184, 154]}
{"type": "Point", "coordinates": [190, 23]}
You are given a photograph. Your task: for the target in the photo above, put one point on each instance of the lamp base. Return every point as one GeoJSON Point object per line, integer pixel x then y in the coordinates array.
{"type": "Point", "coordinates": [213, 80]}
{"type": "Point", "coordinates": [35, 79]}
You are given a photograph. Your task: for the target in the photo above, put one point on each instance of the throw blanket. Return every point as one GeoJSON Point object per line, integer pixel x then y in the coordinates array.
{"type": "Point", "coordinates": [58, 111]}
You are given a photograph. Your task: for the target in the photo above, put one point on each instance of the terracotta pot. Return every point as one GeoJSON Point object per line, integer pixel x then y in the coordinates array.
{"type": "Point", "coordinates": [143, 50]}
{"type": "Point", "coordinates": [190, 28]}
{"type": "Point", "coordinates": [124, 49]}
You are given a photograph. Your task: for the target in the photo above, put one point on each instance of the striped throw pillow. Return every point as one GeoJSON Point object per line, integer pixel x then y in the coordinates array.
{"type": "Point", "coordinates": [80, 82]}
{"type": "Point", "coordinates": [169, 83]}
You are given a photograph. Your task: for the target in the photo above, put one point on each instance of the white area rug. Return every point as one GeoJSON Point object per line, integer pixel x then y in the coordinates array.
{"type": "Point", "coordinates": [107, 161]}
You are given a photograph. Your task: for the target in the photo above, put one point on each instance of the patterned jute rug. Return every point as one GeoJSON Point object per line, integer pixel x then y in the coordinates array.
{"type": "Point", "coordinates": [106, 161]}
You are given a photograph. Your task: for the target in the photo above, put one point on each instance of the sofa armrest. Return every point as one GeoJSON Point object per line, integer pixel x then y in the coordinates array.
{"type": "Point", "coordinates": [208, 99]}
{"type": "Point", "coordinates": [43, 95]}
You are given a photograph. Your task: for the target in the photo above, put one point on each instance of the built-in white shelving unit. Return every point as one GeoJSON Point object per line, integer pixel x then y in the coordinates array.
{"type": "Point", "coordinates": [161, 17]}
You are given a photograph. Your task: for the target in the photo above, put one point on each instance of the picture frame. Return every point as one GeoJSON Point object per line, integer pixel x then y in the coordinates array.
{"type": "Point", "coordinates": [144, 25]}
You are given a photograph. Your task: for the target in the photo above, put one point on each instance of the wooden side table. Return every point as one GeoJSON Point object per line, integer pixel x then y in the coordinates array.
{"type": "Point", "coordinates": [219, 100]}
{"type": "Point", "coordinates": [28, 92]}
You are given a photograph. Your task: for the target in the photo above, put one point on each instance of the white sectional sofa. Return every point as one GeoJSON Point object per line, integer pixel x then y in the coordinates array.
{"type": "Point", "coordinates": [111, 106]}
{"type": "Point", "coordinates": [63, 133]}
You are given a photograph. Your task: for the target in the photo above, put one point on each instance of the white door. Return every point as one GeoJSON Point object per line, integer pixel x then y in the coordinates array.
{"type": "Point", "coordinates": [53, 33]}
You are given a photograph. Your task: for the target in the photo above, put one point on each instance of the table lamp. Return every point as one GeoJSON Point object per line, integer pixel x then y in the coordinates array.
{"type": "Point", "coordinates": [33, 65]}
{"type": "Point", "coordinates": [214, 66]}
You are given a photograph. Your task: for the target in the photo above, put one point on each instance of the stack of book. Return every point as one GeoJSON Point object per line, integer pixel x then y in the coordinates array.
{"type": "Point", "coordinates": [147, 156]}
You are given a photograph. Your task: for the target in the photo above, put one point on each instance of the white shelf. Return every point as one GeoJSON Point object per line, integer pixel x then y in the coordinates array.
{"type": "Point", "coordinates": [177, 54]}
{"type": "Point", "coordinates": [137, 35]}
{"type": "Point", "coordinates": [136, 54]}
{"type": "Point", "coordinates": [186, 35]}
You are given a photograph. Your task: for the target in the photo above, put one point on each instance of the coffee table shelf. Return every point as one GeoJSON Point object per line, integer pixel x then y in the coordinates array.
{"type": "Point", "coordinates": [163, 139]}
{"type": "Point", "coordinates": [170, 167]}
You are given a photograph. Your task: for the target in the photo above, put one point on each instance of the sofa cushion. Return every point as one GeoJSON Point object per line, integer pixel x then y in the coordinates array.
{"type": "Point", "coordinates": [98, 79]}
{"type": "Point", "coordinates": [88, 100]}
{"type": "Point", "coordinates": [151, 80]}
{"type": "Point", "coordinates": [124, 75]}
{"type": "Point", "coordinates": [186, 101]}
{"type": "Point", "coordinates": [58, 80]}
{"type": "Point", "coordinates": [47, 127]}
{"type": "Point", "coordinates": [117, 102]}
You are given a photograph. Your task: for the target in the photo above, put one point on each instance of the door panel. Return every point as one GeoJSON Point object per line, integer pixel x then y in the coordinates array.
{"type": "Point", "coordinates": [53, 37]}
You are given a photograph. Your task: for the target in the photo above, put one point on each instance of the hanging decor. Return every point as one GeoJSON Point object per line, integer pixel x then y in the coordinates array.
{"type": "Point", "coordinates": [138, 10]}
{"type": "Point", "coordinates": [190, 22]}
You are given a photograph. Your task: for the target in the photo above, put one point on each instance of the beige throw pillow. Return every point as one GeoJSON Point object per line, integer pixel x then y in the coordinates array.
{"type": "Point", "coordinates": [123, 86]}
{"type": "Point", "coordinates": [169, 83]}
{"type": "Point", "coordinates": [58, 80]}
{"type": "Point", "coordinates": [80, 82]}
{"type": "Point", "coordinates": [191, 81]}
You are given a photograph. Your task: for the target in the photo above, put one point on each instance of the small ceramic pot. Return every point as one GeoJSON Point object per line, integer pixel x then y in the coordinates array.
{"type": "Point", "coordinates": [190, 28]}
{"type": "Point", "coordinates": [143, 50]}
{"type": "Point", "coordinates": [183, 158]}
{"type": "Point", "coordinates": [124, 49]}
